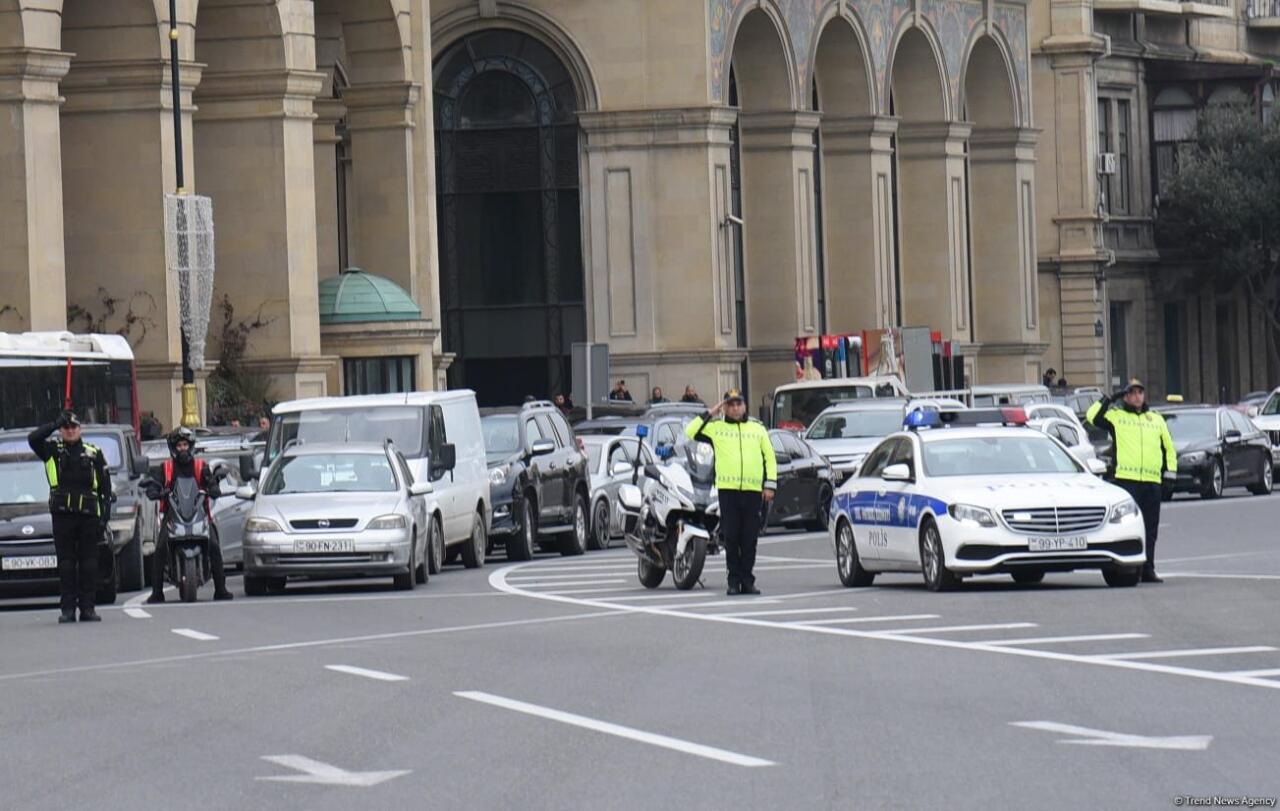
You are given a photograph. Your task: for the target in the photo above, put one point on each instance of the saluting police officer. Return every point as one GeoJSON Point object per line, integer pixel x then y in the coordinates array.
{"type": "Point", "coordinates": [79, 495]}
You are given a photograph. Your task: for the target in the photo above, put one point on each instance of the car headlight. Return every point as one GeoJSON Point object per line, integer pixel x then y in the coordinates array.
{"type": "Point", "coordinates": [966, 513]}
{"type": "Point", "coordinates": [1196, 458]}
{"type": "Point", "coordinates": [704, 454]}
{"type": "Point", "coordinates": [261, 525]}
{"type": "Point", "coordinates": [388, 522]}
{"type": "Point", "coordinates": [498, 476]}
{"type": "Point", "coordinates": [1123, 510]}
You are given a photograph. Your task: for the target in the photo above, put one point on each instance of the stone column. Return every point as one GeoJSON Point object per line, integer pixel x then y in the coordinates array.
{"type": "Point", "coordinates": [1002, 228]}
{"type": "Point", "coordinates": [255, 154]}
{"type": "Point", "coordinates": [383, 241]}
{"type": "Point", "coordinates": [118, 164]}
{"type": "Point", "coordinates": [932, 217]}
{"type": "Point", "coordinates": [857, 159]}
{"type": "Point", "coordinates": [656, 189]}
{"type": "Point", "coordinates": [31, 236]}
{"type": "Point", "coordinates": [781, 240]}
{"type": "Point", "coordinates": [328, 113]}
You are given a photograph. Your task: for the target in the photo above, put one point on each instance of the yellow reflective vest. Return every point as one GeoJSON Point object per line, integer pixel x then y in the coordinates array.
{"type": "Point", "coordinates": [744, 454]}
{"type": "Point", "coordinates": [1143, 447]}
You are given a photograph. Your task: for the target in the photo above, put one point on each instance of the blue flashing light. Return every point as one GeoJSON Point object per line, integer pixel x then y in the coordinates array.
{"type": "Point", "coordinates": [921, 418]}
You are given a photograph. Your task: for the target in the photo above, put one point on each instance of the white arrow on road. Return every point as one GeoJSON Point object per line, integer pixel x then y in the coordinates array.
{"type": "Point", "coordinates": [313, 771]}
{"type": "Point", "coordinates": [1084, 736]}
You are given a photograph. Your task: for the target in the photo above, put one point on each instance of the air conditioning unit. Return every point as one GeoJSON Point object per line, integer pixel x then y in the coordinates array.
{"type": "Point", "coordinates": [1107, 163]}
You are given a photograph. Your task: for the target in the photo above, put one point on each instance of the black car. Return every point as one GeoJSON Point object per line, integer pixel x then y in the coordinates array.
{"type": "Point", "coordinates": [28, 561]}
{"type": "Point", "coordinates": [538, 480]}
{"type": "Point", "coordinates": [806, 483]}
{"type": "Point", "coordinates": [1218, 447]}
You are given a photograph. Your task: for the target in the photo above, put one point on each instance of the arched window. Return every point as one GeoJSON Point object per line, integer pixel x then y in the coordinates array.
{"type": "Point", "coordinates": [508, 215]}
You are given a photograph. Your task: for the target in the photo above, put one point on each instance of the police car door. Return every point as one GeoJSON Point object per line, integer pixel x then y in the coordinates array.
{"type": "Point", "coordinates": [894, 504]}
{"type": "Point", "coordinates": [869, 530]}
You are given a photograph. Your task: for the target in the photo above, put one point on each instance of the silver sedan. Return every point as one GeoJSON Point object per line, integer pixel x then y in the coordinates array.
{"type": "Point", "coordinates": [343, 510]}
{"type": "Point", "coordinates": [611, 460]}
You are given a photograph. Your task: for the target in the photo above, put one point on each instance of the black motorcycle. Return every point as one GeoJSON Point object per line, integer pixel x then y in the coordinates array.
{"type": "Point", "coordinates": [186, 522]}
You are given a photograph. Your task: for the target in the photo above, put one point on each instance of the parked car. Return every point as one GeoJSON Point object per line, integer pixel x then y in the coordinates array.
{"type": "Point", "coordinates": [28, 561]}
{"type": "Point", "coordinates": [134, 518]}
{"type": "Point", "coordinates": [666, 424]}
{"type": "Point", "coordinates": [1268, 419]}
{"type": "Point", "coordinates": [806, 483]}
{"type": "Point", "coordinates": [1061, 423]}
{"type": "Point", "coordinates": [349, 509]}
{"type": "Point", "coordinates": [846, 432]}
{"type": "Point", "coordinates": [1009, 394]}
{"type": "Point", "coordinates": [439, 435]}
{"type": "Point", "coordinates": [538, 481]}
{"type": "Point", "coordinates": [229, 514]}
{"type": "Point", "coordinates": [611, 461]}
{"type": "Point", "coordinates": [1218, 447]}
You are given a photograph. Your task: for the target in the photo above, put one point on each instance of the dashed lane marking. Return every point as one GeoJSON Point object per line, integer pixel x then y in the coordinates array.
{"type": "Point", "coordinates": [1178, 654]}
{"type": "Point", "coordinates": [137, 613]}
{"type": "Point", "coordinates": [789, 611]}
{"type": "Point", "coordinates": [376, 675]}
{"type": "Point", "coordinates": [853, 620]}
{"type": "Point", "coordinates": [949, 629]}
{"type": "Point", "coordinates": [199, 636]}
{"type": "Point", "coordinates": [1046, 640]}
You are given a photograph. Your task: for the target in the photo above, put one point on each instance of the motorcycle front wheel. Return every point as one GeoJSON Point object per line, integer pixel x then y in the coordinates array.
{"type": "Point", "coordinates": [688, 567]}
{"type": "Point", "coordinates": [190, 579]}
{"type": "Point", "coordinates": [651, 576]}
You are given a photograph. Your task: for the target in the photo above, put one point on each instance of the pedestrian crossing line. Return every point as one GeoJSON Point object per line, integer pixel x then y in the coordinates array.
{"type": "Point", "coordinates": [587, 591]}
{"type": "Point", "coordinates": [1175, 654]}
{"type": "Point", "coordinates": [541, 585]}
{"type": "Point", "coordinates": [947, 629]}
{"type": "Point", "coordinates": [1046, 640]}
{"type": "Point", "coordinates": [850, 620]}
{"type": "Point", "coordinates": [1255, 674]}
{"type": "Point", "coordinates": [721, 603]}
{"type": "Point", "coordinates": [199, 636]}
{"type": "Point", "coordinates": [788, 611]}
{"type": "Point", "coordinates": [668, 595]}
{"type": "Point", "coordinates": [377, 675]}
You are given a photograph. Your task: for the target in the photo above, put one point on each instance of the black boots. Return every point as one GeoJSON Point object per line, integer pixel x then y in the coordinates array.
{"type": "Point", "coordinates": [67, 616]}
{"type": "Point", "coordinates": [156, 597]}
{"type": "Point", "coordinates": [89, 615]}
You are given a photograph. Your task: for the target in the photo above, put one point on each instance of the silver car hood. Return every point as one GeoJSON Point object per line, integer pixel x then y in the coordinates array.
{"type": "Point", "coordinates": [845, 447]}
{"type": "Point", "coordinates": [331, 505]}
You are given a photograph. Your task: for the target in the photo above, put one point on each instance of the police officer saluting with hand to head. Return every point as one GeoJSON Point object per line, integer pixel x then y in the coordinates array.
{"type": "Point", "coordinates": [746, 477]}
{"type": "Point", "coordinates": [1143, 455]}
{"type": "Point", "coordinates": [79, 497]}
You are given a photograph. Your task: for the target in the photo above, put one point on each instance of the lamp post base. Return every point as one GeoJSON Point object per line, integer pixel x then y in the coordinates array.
{"type": "Point", "coordinates": [190, 406]}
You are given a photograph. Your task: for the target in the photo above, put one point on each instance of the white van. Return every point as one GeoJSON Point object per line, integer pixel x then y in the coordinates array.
{"type": "Point", "coordinates": [440, 437]}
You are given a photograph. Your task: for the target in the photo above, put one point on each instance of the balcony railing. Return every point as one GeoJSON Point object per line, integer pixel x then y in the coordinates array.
{"type": "Point", "coordinates": [1169, 8]}
{"type": "Point", "coordinates": [1263, 13]}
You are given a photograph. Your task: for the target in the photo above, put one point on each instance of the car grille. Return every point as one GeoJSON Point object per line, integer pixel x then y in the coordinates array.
{"type": "Point", "coordinates": [1055, 520]}
{"type": "Point", "coordinates": [1275, 437]}
{"type": "Point", "coordinates": [312, 558]}
{"type": "Point", "coordinates": [1131, 546]}
{"type": "Point", "coordinates": [324, 523]}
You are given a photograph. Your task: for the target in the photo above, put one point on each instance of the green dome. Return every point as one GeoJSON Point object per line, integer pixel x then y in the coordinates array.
{"type": "Point", "coordinates": [356, 297]}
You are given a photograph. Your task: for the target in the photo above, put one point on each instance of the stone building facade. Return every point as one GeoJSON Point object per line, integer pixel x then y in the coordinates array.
{"type": "Point", "coordinates": [1125, 79]}
{"type": "Point", "coordinates": [695, 182]}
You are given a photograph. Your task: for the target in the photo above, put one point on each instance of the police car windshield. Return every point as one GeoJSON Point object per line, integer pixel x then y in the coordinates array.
{"type": "Point", "coordinates": [868, 424]}
{"type": "Point", "coordinates": [332, 473]}
{"type": "Point", "coordinates": [996, 456]}
{"type": "Point", "coordinates": [22, 481]}
{"type": "Point", "coordinates": [1192, 426]}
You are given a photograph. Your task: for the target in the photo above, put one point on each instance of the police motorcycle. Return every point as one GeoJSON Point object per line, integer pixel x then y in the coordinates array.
{"type": "Point", "coordinates": [187, 519]}
{"type": "Point", "coordinates": [671, 523]}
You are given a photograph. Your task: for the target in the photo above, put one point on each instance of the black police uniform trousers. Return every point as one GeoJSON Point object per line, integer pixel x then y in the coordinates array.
{"type": "Point", "coordinates": [1147, 496]}
{"type": "Point", "coordinates": [75, 539]}
{"type": "Point", "coordinates": [740, 526]}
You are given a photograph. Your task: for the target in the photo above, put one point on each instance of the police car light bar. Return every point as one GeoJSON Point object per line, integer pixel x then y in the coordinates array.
{"type": "Point", "coordinates": [967, 418]}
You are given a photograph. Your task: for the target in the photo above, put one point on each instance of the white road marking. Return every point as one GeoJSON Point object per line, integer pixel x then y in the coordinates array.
{"type": "Point", "coordinates": [576, 576]}
{"type": "Point", "coordinates": [133, 605]}
{"type": "Point", "coordinates": [1177, 654]}
{"type": "Point", "coordinates": [497, 579]}
{"type": "Point", "coordinates": [594, 591]}
{"type": "Point", "coordinates": [199, 636]}
{"type": "Point", "coordinates": [947, 629]}
{"type": "Point", "coordinates": [368, 674]}
{"type": "Point", "coordinates": [1100, 737]}
{"type": "Point", "coordinates": [689, 748]}
{"type": "Point", "coordinates": [1256, 673]}
{"type": "Point", "coordinates": [313, 771]}
{"type": "Point", "coordinates": [1045, 640]}
{"type": "Point", "coordinates": [1220, 557]}
{"type": "Point", "coordinates": [852, 620]}
{"type": "Point", "coordinates": [136, 613]}
{"type": "Point", "coordinates": [788, 611]}
{"type": "Point", "coordinates": [1223, 576]}
{"type": "Point", "coordinates": [667, 595]}
{"type": "Point", "coordinates": [738, 601]}
{"type": "Point", "coordinates": [543, 584]}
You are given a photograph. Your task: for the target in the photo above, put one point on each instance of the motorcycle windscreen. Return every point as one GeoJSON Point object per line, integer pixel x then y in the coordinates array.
{"type": "Point", "coordinates": [186, 498]}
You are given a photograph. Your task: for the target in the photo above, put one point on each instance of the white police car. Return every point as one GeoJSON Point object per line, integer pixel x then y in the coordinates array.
{"type": "Point", "coordinates": [963, 493]}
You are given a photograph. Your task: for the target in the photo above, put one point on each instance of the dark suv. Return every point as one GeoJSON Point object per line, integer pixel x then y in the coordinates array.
{"type": "Point", "coordinates": [537, 480]}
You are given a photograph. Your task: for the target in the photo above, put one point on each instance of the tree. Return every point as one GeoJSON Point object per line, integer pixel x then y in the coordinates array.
{"type": "Point", "coordinates": [1222, 207]}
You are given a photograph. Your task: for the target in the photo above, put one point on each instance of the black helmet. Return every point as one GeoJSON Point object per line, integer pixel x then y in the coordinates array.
{"type": "Point", "coordinates": [182, 434]}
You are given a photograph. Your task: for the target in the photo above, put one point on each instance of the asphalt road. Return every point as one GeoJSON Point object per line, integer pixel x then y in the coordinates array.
{"type": "Point", "coordinates": [561, 683]}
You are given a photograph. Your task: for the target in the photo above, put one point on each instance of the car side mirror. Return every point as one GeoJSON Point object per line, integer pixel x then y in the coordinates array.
{"type": "Point", "coordinates": [1252, 412]}
{"type": "Point", "coordinates": [622, 468]}
{"type": "Point", "coordinates": [1232, 435]}
{"type": "Point", "coordinates": [421, 488]}
{"type": "Point", "coordinates": [246, 492]}
{"type": "Point", "coordinates": [900, 472]}
{"type": "Point", "coordinates": [447, 459]}
{"type": "Point", "coordinates": [630, 498]}
{"type": "Point", "coordinates": [542, 447]}
{"type": "Point", "coordinates": [1096, 466]}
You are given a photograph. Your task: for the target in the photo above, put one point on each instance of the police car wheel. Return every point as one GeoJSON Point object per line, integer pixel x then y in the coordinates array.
{"type": "Point", "coordinates": [847, 563]}
{"type": "Point", "coordinates": [937, 577]}
{"type": "Point", "coordinates": [1122, 577]}
{"type": "Point", "coordinates": [255, 586]}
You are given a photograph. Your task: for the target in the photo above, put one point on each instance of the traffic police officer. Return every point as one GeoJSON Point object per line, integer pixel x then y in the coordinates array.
{"type": "Point", "coordinates": [746, 477]}
{"type": "Point", "coordinates": [79, 496]}
{"type": "Point", "coordinates": [1143, 455]}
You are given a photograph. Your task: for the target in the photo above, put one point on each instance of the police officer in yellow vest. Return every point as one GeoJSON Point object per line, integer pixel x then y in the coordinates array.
{"type": "Point", "coordinates": [79, 496]}
{"type": "Point", "coordinates": [746, 477]}
{"type": "Point", "coordinates": [1143, 455]}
